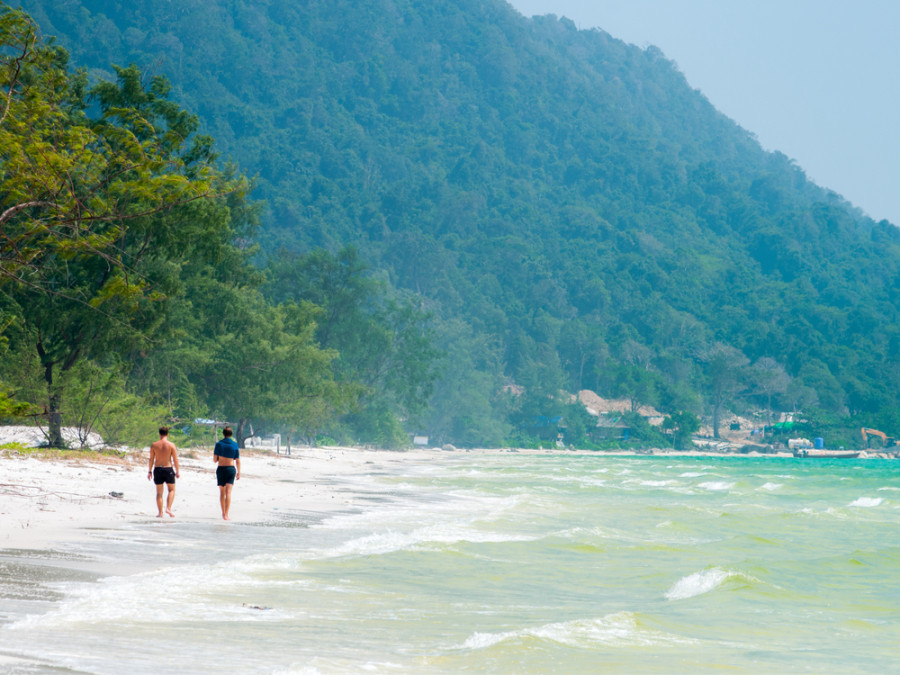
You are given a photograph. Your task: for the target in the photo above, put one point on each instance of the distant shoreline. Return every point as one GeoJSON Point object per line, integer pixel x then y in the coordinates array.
{"type": "Point", "coordinates": [46, 502]}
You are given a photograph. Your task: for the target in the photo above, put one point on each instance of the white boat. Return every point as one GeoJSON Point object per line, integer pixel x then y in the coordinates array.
{"type": "Point", "coordinates": [822, 453]}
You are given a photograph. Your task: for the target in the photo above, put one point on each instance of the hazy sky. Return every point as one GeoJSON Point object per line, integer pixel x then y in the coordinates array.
{"type": "Point", "coordinates": [818, 80]}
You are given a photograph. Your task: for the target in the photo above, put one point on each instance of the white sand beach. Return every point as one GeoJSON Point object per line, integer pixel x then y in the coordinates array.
{"type": "Point", "coordinates": [48, 501]}
{"type": "Point", "coordinates": [44, 502]}
{"type": "Point", "coordinates": [429, 560]}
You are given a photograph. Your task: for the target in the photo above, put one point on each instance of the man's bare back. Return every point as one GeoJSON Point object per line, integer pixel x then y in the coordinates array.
{"type": "Point", "coordinates": [163, 469]}
{"type": "Point", "coordinates": [163, 452]}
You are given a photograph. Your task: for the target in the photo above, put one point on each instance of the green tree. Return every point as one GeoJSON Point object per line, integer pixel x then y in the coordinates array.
{"type": "Point", "coordinates": [531, 180]}
{"type": "Point", "coordinates": [579, 424]}
{"type": "Point", "coordinates": [681, 425]}
{"type": "Point", "coordinates": [472, 408]}
{"type": "Point", "coordinates": [263, 363]}
{"type": "Point", "coordinates": [540, 409]}
{"type": "Point", "coordinates": [72, 185]}
{"type": "Point", "coordinates": [98, 401]}
{"type": "Point", "coordinates": [636, 383]}
{"type": "Point", "coordinates": [94, 212]}
{"type": "Point", "coordinates": [9, 405]}
{"type": "Point", "coordinates": [724, 367]}
{"type": "Point", "coordinates": [642, 431]}
{"type": "Point", "coordinates": [769, 378]}
{"type": "Point", "coordinates": [385, 346]}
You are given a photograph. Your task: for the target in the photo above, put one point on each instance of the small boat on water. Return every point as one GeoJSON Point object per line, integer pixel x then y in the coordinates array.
{"type": "Point", "coordinates": [822, 453]}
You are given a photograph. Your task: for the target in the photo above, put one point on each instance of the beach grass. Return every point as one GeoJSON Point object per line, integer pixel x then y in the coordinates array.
{"type": "Point", "coordinates": [101, 456]}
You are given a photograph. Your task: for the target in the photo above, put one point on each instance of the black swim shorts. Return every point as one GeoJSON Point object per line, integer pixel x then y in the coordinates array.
{"type": "Point", "coordinates": [225, 475]}
{"type": "Point", "coordinates": [163, 474]}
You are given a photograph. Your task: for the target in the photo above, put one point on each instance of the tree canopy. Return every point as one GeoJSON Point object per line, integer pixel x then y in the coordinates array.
{"type": "Point", "coordinates": [122, 249]}
{"type": "Point", "coordinates": [545, 196]}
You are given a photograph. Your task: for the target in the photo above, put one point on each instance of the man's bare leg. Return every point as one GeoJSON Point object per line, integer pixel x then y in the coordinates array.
{"type": "Point", "coordinates": [224, 500]}
{"type": "Point", "coordinates": [170, 499]}
{"type": "Point", "coordinates": [159, 500]}
{"type": "Point", "coordinates": [226, 506]}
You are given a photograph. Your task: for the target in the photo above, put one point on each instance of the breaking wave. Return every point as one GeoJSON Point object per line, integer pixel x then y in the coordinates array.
{"type": "Point", "coordinates": [619, 629]}
{"type": "Point", "coordinates": [867, 502]}
{"type": "Point", "coordinates": [699, 583]}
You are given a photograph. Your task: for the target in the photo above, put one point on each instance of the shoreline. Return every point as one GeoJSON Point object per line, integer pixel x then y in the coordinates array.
{"type": "Point", "coordinates": [47, 502]}
{"type": "Point", "coordinates": [343, 559]}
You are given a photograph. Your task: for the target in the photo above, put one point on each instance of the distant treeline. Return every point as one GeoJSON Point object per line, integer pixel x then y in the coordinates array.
{"type": "Point", "coordinates": [516, 202]}
{"type": "Point", "coordinates": [127, 292]}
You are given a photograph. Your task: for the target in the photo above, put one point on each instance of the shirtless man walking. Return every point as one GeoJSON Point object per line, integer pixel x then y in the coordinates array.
{"type": "Point", "coordinates": [228, 458]}
{"type": "Point", "coordinates": [165, 458]}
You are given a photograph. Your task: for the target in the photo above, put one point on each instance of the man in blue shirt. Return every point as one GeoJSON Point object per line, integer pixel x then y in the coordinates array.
{"type": "Point", "coordinates": [228, 458]}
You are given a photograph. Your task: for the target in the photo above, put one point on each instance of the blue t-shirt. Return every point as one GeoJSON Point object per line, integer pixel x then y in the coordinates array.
{"type": "Point", "coordinates": [227, 448]}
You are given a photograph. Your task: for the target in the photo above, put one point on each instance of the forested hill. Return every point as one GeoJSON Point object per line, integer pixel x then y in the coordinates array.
{"type": "Point", "coordinates": [573, 213]}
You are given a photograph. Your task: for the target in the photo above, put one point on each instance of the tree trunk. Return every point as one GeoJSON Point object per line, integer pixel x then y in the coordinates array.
{"type": "Point", "coordinates": [54, 422]}
{"type": "Point", "coordinates": [54, 392]}
{"type": "Point", "coordinates": [54, 418]}
{"type": "Point", "coordinates": [716, 408]}
{"type": "Point", "coordinates": [239, 435]}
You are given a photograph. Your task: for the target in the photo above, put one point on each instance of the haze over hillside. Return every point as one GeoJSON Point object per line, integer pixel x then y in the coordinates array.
{"type": "Point", "coordinates": [573, 214]}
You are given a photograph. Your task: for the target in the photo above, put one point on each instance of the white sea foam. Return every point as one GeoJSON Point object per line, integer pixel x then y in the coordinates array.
{"type": "Point", "coordinates": [830, 513]}
{"type": "Point", "coordinates": [656, 483]}
{"type": "Point", "coordinates": [576, 480]}
{"type": "Point", "coordinates": [691, 474]}
{"type": "Point", "coordinates": [867, 502]}
{"type": "Point", "coordinates": [361, 613]}
{"type": "Point", "coordinates": [321, 664]}
{"type": "Point", "coordinates": [698, 583]}
{"type": "Point", "coordinates": [452, 506]}
{"type": "Point", "coordinates": [717, 485]}
{"type": "Point", "coordinates": [454, 517]}
{"type": "Point", "coordinates": [381, 543]}
{"type": "Point", "coordinates": [771, 486]}
{"type": "Point", "coordinates": [619, 629]}
{"type": "Point", "coordinates": [182, 594]}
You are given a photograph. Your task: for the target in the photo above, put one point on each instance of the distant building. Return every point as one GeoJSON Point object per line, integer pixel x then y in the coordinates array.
{"type": "Point", "coordinates": [598, 406]}
{"type": "Point", "coordinates": [610, 427]}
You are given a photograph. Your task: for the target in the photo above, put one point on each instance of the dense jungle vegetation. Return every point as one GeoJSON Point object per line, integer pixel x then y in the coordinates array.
{"type": "Point", "coordinates": [449, 203]}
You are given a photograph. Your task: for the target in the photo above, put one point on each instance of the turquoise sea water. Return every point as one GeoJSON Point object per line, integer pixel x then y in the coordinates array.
{"type": "Point", "coordinates": [506, 563]}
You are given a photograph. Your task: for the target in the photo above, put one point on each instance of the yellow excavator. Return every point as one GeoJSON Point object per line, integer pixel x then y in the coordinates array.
{"type": "Point", "coordinates": [885, 439]}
